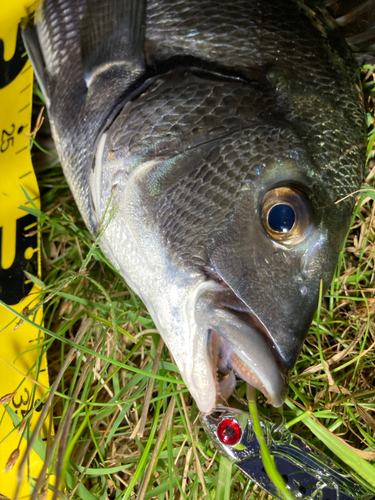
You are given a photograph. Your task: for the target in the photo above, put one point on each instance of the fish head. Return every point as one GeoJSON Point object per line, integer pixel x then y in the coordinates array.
{"type": "Point", "coordinates": [270, 262]}
{"type": "Point", "coordinates": [229, 243]}
{"type": "Point", "coordinates": [274, 258]}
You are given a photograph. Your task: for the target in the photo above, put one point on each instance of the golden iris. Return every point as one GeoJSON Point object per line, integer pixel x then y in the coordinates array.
{"type": "Point", "coordinates": [286, 215]}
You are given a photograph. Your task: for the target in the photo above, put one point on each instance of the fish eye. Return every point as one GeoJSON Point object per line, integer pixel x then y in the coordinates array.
{"type": "Point", "coordinates": [286, 215]}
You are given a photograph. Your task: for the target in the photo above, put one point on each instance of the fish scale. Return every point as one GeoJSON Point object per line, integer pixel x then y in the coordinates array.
{"type": "Point", "coordinates": [249, 35]}
{"type": "Point", "coordinates": [203, 207]}
{"type": "Point", "coordinates": [319, 85]}
{"type": "Point", "coordinates": [151, 127]}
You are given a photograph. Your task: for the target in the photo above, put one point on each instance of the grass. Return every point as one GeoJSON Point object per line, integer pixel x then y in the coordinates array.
{"type": "Point", "coordinates": [125, 425]}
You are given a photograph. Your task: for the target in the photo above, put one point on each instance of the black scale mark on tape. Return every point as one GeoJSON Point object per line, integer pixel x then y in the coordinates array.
{"type": "Point", "coordinates": [12, 280]}
{"type": "Point", "coordinates": [10, 69]}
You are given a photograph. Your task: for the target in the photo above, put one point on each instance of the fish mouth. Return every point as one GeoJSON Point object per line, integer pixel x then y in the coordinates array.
{"type": "Point", "coordinates": [238, 344]}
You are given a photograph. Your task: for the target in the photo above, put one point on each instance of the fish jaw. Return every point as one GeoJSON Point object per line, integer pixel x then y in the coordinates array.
{"type": "Point", "coordinates": [191, 309]}
{"type": "Point", "coordinates": [199, 314]}
{"type": "Point", "coordinates": [244, 345]}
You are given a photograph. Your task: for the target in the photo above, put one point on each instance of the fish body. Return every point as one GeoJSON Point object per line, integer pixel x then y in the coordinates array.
{"type": "Point", "coordinates": [213, 141]}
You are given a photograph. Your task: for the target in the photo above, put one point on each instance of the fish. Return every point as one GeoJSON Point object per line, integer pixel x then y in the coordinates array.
{"type": "Point", "coordinates": [213, 147]}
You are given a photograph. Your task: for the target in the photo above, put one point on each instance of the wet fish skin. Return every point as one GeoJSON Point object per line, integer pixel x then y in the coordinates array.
{"type": "Point", "coordinates": [225, 105]}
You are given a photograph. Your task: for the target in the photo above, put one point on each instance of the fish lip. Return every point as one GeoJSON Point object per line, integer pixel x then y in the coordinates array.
{"type": "Point", "coordinates": [222, 312]}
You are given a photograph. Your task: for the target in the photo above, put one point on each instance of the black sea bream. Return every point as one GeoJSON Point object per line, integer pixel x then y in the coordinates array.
{"type": "Point", "coordinates": [212, 140]}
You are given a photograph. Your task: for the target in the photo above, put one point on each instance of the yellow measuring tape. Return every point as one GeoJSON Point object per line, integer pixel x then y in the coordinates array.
{"type": "Point", "coordinates": [23, 369]}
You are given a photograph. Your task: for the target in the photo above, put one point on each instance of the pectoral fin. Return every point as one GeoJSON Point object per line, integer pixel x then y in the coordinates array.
{"type": "Point", "coordinates": [111, 40]}
{"type": "Point", "coordinates": [31, 42]}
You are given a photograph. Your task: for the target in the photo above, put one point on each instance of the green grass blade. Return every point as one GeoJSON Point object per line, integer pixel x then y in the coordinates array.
{"type": "Point", "coordinates": [268, 461]}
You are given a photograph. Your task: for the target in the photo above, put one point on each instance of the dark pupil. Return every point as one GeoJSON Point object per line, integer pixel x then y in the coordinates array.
{"type": "Point", "coordinates": [229, 432]}
{"type": "Point", "coordinates": [281, 218]}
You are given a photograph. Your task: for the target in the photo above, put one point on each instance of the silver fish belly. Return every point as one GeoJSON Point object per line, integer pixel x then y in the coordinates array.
{"type": "Point", "coordinates": [212, 141]}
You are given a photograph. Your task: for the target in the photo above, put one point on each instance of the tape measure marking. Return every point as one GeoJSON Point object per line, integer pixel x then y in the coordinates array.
{"type": "Point", "coordinates": [19, 251]}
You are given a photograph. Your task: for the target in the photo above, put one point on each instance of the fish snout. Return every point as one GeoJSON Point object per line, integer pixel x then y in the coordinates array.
{"type": "Point", "coordinates": [239, 345]}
